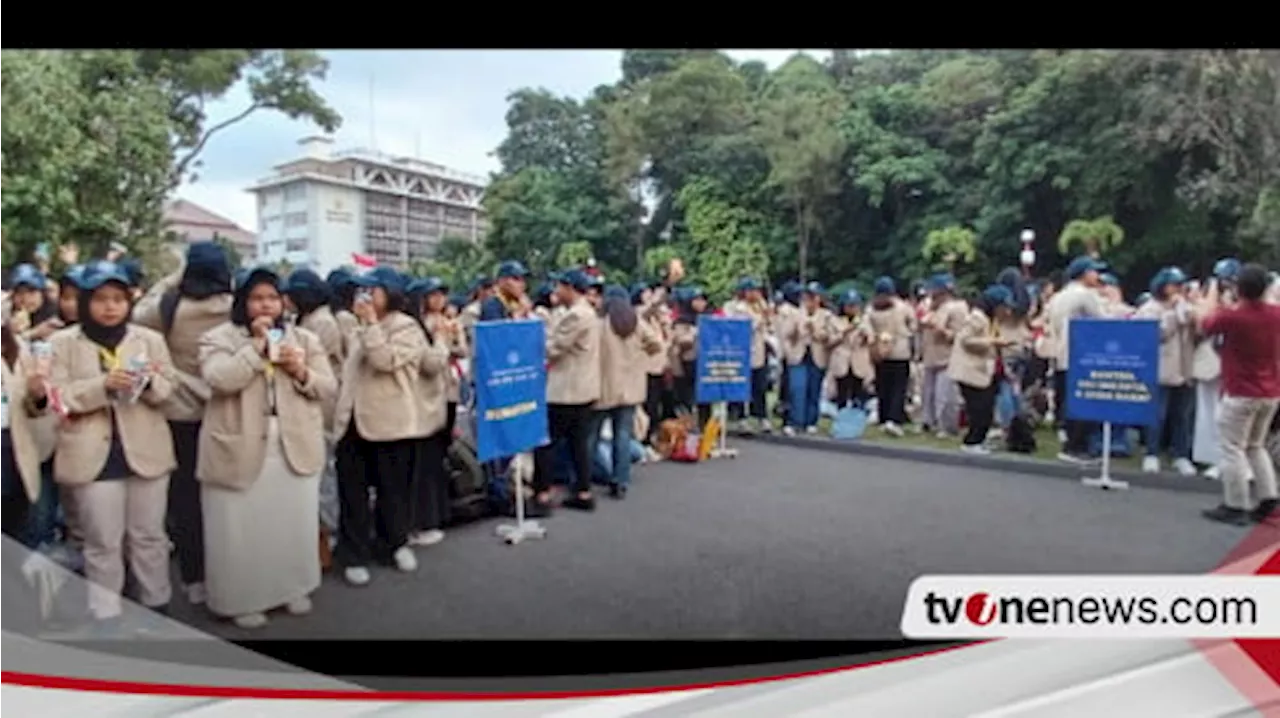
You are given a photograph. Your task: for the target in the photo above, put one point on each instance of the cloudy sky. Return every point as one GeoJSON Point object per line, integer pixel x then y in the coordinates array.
{"type": "Point", "coordinates": [446, 106]}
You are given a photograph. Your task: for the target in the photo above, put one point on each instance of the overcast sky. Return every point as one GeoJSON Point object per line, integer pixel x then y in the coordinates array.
{"type": "Point", "coordinates": [445, 106]}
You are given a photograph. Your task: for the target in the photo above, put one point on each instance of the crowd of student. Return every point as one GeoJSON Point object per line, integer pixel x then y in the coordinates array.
{"type": "Point", "coordinates": [232, 420]}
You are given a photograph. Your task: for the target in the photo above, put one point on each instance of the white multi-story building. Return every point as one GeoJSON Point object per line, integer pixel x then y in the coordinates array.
{"type": "Point", "coordinates": [320, 209]}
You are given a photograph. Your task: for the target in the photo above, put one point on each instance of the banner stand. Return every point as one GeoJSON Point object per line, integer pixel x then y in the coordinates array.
{"type": "Point", "coordinates": [1104, 481]}
{"type": "Point", "coordinates": [722, 450]}
{"type": "Point", "coordinates": [522, 529]}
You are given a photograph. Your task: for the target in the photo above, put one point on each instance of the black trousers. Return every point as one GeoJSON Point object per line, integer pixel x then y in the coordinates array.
{"type": "Point", "coordinates": [430, 485]}
{"type": "Point", "coordinates": [450, 421]}
{"type": "Point", "coordinates": [980, 410]}
{"type": "Point", "coordinates": [1078, 432]}
{"type": "Point", "coordinates": [654, 404]}
{"type": "Point", "coordinates": [16, 505]}
{"type": "Point", "coordinates": [893, 377]}
{"type": "Point", "coordinates": [570, 422]}
{"type": "Point", "coordinates": [365, 534]}
{"type": "Point", "coordinates": [185, 518]}
{"type": "Point", "coordinates": [850, 389]}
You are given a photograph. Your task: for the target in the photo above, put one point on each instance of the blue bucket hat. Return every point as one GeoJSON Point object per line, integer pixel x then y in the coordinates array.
{"type": "Point", "coordinates": [617, 291]}
{"type": "Point", "coordinates": [997, 295]}
{"type": "Point", "coordinates": [102, 271]}
{"type": "Point", "coordinates": [886, 285]}
{"type": "Point", "coordinates": [339, 278]}
{"type": "Point", "coordinates": [791, 290]}
{"type": "Point", "coordinates": [386, 277]}
{"type": "Point", "coordinates": [1165, 277]}
{"type": "Point", "coordinates": [133, 267]}
{"type": "Point", "coordinates": [480, 282]}
{"type": "Point", "coordinates": [206, 254]}
{"type": "Point", "coordinates": [1109, 279]}
{"type": "Point", "coordinates": [512, 268]}
{"type": "Point", "coordinates": [27, 275]}
{"type": "Point", "coordinates": [815, 288]}
{"type": "Point", "coordinates": [850, 296]}
{"type": "Point", "coordinates": [434, 284]}
{"type": "Point", "coordinates": [73, 276]}
{"type": "Point", "coordinates": [747, 284]}
{"type": "Point", "coordinates": [1082, 265]}
{"type": "Point", "coordinates": [304, 280]}
{"type": "Point", "coordinates": [246, 276]}
{"type": "Point", "coordinates": [1227, 270]}
{"type": "Point", "coordinates": [940, 282]}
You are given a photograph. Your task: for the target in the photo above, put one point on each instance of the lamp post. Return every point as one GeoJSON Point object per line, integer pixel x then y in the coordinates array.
{"type": "Point", "coordinates": [1028, 255]}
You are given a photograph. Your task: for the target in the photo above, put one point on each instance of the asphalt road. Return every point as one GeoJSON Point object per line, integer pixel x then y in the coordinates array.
{"type": "Point", "coordinates": [778, 543]}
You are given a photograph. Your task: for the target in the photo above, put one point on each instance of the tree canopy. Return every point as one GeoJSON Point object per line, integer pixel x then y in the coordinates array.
{"type": "Point", "coordinates": [844, 170]}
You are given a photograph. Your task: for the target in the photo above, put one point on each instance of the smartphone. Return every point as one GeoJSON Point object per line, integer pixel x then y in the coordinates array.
{"type": "Point", "coordinates": [364, 295]}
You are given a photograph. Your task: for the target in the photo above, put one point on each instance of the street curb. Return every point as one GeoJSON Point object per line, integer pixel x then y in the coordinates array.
{"type": "Point", "coordinates": [1008, 464]}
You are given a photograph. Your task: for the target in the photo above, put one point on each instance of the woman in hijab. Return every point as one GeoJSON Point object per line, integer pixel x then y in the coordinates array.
{"type": "Point", "coordinates": [657, 404]}
{"type": "Point", "coordinates": [182, 307]}
{"type": "Point", "coordinates": [24, 399]}
{"type": "Point", "coordinates": [975, 363]}
{"type": "Point", "coordinates": [691, 303]}
{"type": "Point", "coordinates": [850, 364]}
{"type": "Point", "coordinates": [625, 344]}
{"type": "Point", "coordinates": [441, 385]}
{"type": "Point", "coordinates": [379, 419]}
{"type": "Point", "coordinates": [113, 453]}
{"type": "Point", "coordinates": [894, 323]}
{"type": "Point", "coordinates": [1171, 308]}
{"type": "Point", "coordinates": [342, 292]}
{"type": "Point", "coordinates": [261, 455]}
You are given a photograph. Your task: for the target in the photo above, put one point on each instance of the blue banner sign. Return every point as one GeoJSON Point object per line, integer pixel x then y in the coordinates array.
{"type": "Point", "coordinates": [724, 360]}
{"type": "Point", "coordinates": [1114, 371]}
{"type": "Point", "coordinates": [510, 373]}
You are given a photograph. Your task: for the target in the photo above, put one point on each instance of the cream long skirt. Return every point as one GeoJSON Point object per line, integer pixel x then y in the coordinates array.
{"type": "Point", "coordinates": [260, 543]}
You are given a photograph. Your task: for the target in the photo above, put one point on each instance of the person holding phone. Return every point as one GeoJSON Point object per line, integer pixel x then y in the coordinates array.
{"type": "Point", "coordinates": [1170, 307]}
{"type": "Point", "coordinates": [379, 421]}
{"type": "Point", "coordinates": [114, 453]}
{"type": "Point", "coordinates": [975, 363]}
{"type": "Point", "coordinates": [262, 451]}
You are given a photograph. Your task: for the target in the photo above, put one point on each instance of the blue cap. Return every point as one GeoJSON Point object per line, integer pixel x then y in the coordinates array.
{"type": "Point", "coordinates": [1227, 270]}
{"type": "Point", "coordinates": [850, 296]}
{"type": "Point", "coordinates": [386, 277]}
{"type": "Point", "coordinates": [940, 282]}
{"type": "Point", "coordinates": [74, 275]}
{"type": "Point", "coordinates": [480, 282]}
{"type": "Point", "coordinates": [575, 278]}
{"type": "Point", "coordinates": [617, 291]}
{"type": "Point", "coordinates": [1165, 277]}
{"type": "Point", "coordinates": [1143, 298]}
{"type": "Point", "coordinates": [339, 278]}
{"type": "Point", "coordinates": [1110, 279]}
{"type": "Point", "coordinates": [245, 276]}
{"type": "Point", "coordinates": [133, 267]}
{"type": "Point", "coordinates": [886, 285]}
{"type": "Point", "coordinates": [1082, 265]}
{"type": "Point", "coordinates": [747, 284]}
{"type": "Point", "coordinates": [304, 279]}
{"type": "Point", "coordinates": [434, 284]}
{"type": "Point", "coordinates": [27, 275]}
{"type": "Point", "coordinates": [206, 254]}
{"type": "Point", "coordinates": [512, 268]}
{"type": "Point", "coordinates": [594, 280]}
{"type": "Point", "coordinates": [997, 295]}
{"type": "Point", "coordinates": [102, 271]}
{"type": "Point", "coordinates": [815, 288]}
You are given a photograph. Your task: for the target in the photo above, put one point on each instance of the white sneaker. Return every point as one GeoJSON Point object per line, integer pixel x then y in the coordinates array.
{"type": "Point", "coordinates": [976, 449]}
{"type": "Point", "coordinates": [1151, 464]}
{"type": "Point", "coordinates": [651, 455]}
{"type": "Point", "coordinates": [196, 593]}
{"type": "Point", "coordinates": [892, 428]}
{"type": "Point", "coordinates": [788, 431]}
{"type": "Point", "coordinates": [1213, 473]}
{"type": "Point", "coordinates": [405, 560]}
{"type": "Point", "coordinates": [940, 434]}
{"type": "Point", "coordinates": [250, 620]}
{"type": "Point", "coordinates": [299, 606]}
{"type": "Point", "coordinates": [430, 537]}
{"type": "Point", "coordinates": [811, 430]}
{"type": "Point", "coordinates": [357, 576]}
{"type": "Point", "coordinates": [1184, 467]}
{"type": "Point", "coordinates": [1062, 436]}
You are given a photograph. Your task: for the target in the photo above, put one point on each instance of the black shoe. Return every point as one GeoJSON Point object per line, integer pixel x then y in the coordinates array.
{"type": "Point", "coordinates": [580, 503]}
{"type": "Point", "coordinates": [1263, 510]}
{"type": "Point", "coordinates": [617, 491]}
{"type": "Point", "coordinates": [1226, 515]}
{"type": "Point", "coordinates": [536, 509]}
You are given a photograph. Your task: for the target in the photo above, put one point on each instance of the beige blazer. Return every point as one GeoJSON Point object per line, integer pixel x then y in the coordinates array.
{"type": "Point", "coordinates": [761, 327]}
{"type": "Point", "coordinates": [324, 325]}
{"type": "Point", "coordinates": [1074, 301]}
{"type": "Point", "coordinates": [233, 437]}
{"type": "Point", "coordinates": [621, 381]}
{"type": "Point", "coordinates": [349, 326]}
{"type": "Point", "coordinates": [44, 427]}
{"type": "Point", "coordinates": [899, 322]}
{"type": "Point", "coordinates": [191, 319]}
{"type": "Point", "coordinates": [379, 386]}
{"type": "Point", "coordinates": [938, 336]}
{"type": "Point", "coordinates": [683, 347]}
{"type": "Point", "coordinates": [434, 375]}
{"type": "Point", "coordinates": [457, 349]}
{"type": "Point", "coordinates": [852, 353]}
{"type": "Point", "coordinates": [84, 439]}
{"type": "Point", "coordinates": [973, 356]}
{"type": "Point", "coordinates": [1177, 342]}
{"type": "Point", "coordinates": [656, 364]}
{"type": "Point", "coordinates": [573, 353]}
{"type": "Point", "coordinates": [23, 425]}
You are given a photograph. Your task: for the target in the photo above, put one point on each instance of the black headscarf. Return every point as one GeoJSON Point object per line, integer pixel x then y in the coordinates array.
{"type": "Point", "coordinates": [207, 272]}
{"type": "Point", "coordinates": [308, 299]}
{"type": "Point", "coordinates": [240, 306]}
{"type": "Point", "coordinates": [106, 337]}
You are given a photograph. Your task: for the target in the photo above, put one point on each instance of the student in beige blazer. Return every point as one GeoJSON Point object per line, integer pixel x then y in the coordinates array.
{"type": "Point", "coordinates": [973, 362]}
{"type": "Point", "coordinates": [805, 336]}
{"type": "Point", "coordinates": [1169, 306]}
{"type": "Point", "coordinates": [24, 400]}
{"type": "Point", "coordinates": [379, 419]}
{"type": "Point", "coordinates": [850, 365]}
{"type": "Point", "coordinates": [114, 452]}
{"type": "Point", "coordinates": [440, 389]}
{"type": "Point", "coordinates": [573, 386]}
{"type": "Point", "coordinates": [625, 344]}
{"type": "Point", "coordinates": [262, 450]}
{"type": "Point", "coordinates": [691, 303]}
{"type": "Point", "coordinates": [658, 401]}
{"type": "Point", "coordinates": [894, 323]}
{"type": "Point", "coordinates": [750, 304]}
{"type": "Point", "coordinates": [946, 314]}
{"type": "Point", "coordinates": [182, 307]}
{"type": "Point", "coordinates": [342, 291]}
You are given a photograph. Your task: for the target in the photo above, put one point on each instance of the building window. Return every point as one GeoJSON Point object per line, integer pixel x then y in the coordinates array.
{"type": "Point", "coordinates": [296, 245]}
{"type": "Point", "coordinates": [294, 192]}
{"type": "Point", "coordinates": [295, 219]}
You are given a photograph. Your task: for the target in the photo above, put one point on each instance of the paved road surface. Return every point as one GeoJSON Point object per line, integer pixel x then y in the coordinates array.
{"type": "Point", "coordinates": [779, 543]}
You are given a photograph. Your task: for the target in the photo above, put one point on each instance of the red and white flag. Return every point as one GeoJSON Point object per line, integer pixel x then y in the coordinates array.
{"type": "Point", "coordinates": [363, 262]}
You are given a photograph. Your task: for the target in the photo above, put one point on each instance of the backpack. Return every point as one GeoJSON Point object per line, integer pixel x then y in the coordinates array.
{"type": "Point", "coordinates": [1020, 437]}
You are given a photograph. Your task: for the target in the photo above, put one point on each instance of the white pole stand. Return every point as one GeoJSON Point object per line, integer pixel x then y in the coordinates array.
{"type": "Point", "coordinates": [722, 450]}
{"type": "Point", "coordinates": [1105, 482]}
{"type": "Point", "coordinates": [522, 529]}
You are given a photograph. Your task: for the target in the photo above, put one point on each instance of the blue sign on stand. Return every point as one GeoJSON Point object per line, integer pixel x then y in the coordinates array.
{"type": "Point", "coordinates": [724, 360]}
{"type": "Point", "coordinates": [1114, 371]}
{"type": "Point", "coordinates": [510, 371]}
